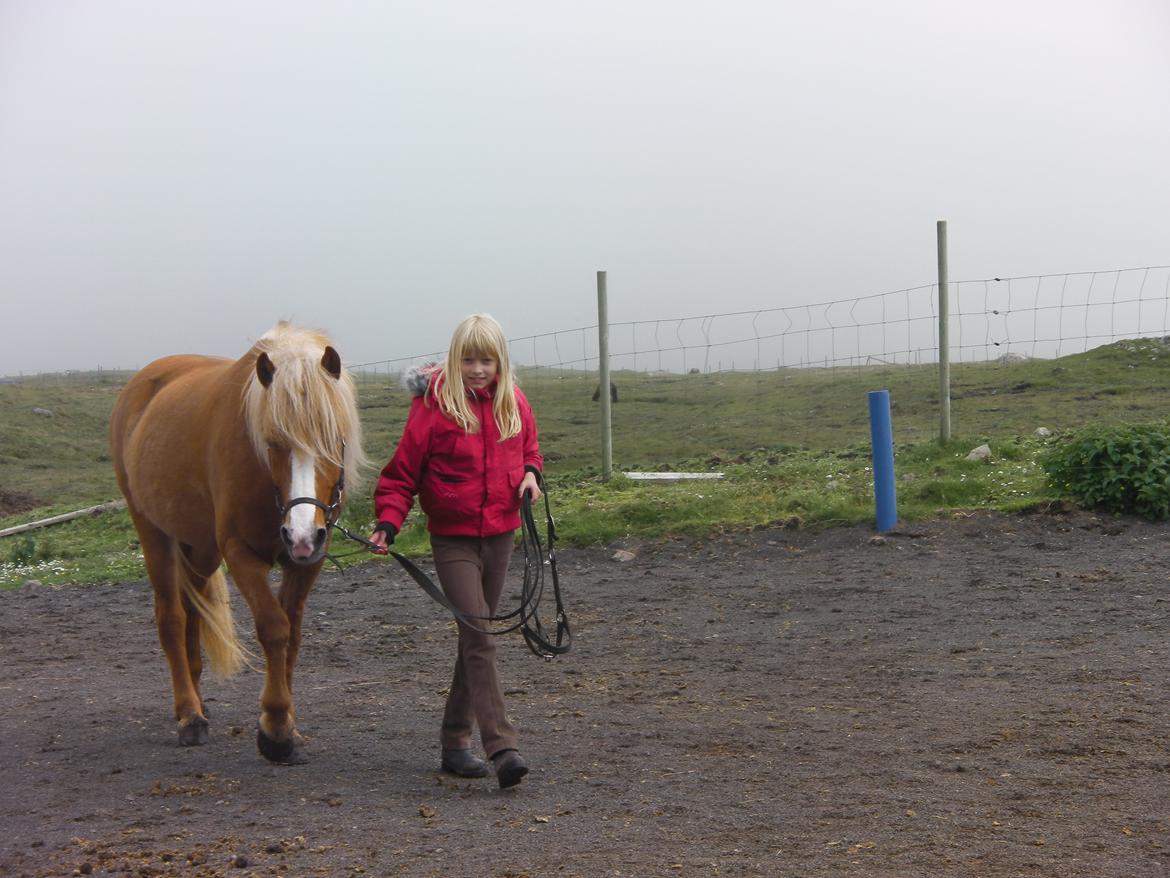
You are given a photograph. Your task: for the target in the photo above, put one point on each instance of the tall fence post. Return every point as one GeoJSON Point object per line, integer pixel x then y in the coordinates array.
{"type": "Point", "coordinates": [603, 390]}
{"type": "Point", "coordinates": [944, 338]}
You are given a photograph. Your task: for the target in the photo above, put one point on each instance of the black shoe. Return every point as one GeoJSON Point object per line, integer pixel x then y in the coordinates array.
{"type": "Point", "coordinates": [463, 763]}
{"type": "Point", "coordinates": [510, 768]}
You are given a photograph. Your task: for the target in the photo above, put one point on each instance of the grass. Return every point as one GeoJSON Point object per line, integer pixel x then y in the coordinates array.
{"type": "Point", "coordinates": [793, 446]}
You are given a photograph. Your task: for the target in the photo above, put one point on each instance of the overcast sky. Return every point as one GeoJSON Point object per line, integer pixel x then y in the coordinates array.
{"type": "Point", "coordinates": [177, 176]}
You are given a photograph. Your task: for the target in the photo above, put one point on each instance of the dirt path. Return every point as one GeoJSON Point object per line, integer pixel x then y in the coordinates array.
{"type": "Point", "coordinates": [984, 697]}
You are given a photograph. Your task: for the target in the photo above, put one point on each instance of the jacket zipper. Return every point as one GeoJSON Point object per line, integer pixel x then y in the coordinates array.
{"type": "Point", "coordinates": [484, 469]}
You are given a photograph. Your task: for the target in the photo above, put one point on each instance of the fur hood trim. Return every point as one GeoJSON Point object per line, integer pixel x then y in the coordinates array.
{"type": "Point", "coordinates": [417, 379]}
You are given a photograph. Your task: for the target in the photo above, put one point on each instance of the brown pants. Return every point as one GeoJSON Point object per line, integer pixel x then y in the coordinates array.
{"type": "Point", "coordinates": [472, 573]}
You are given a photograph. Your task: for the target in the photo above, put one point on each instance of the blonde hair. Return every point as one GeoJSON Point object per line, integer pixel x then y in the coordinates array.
{"type": "Point", "coordinates": [479, 335]}
{"type": "Point", "coordinates": [305, 408]}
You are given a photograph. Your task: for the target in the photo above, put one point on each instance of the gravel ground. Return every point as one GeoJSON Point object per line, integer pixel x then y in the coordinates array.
{"type": "Point", "coordinates": [981, 696]}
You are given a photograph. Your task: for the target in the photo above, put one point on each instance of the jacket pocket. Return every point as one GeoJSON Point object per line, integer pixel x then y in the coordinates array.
{"type": "Point", "coordinates": [450, 501]}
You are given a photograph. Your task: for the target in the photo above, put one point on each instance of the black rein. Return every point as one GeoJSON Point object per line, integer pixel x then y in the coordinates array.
{"type": "Point", "coordinates": [536, 557]}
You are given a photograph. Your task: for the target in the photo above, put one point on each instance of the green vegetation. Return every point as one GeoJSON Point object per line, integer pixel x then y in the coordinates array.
{"type": "Point", "coordinates": [53, 440]}
{"type": "Point", "coordinates": [793, 446]}
{"type": "Point", "coordinates": [1123, 468]}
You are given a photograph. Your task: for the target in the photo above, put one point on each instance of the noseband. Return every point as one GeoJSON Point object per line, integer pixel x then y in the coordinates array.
{"type": "Point", "coordinates": [332, 510]}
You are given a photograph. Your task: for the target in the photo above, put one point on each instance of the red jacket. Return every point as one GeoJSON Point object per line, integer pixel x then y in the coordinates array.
{"type": "Point", "coordinates": [467, 483]}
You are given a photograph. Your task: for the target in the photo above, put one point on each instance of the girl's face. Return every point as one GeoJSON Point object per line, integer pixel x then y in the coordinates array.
{"type": "Point", "coordinates": [478, 370]}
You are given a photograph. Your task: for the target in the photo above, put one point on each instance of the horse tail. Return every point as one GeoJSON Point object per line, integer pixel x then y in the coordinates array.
{"type": "Point", "coordinates": [217, 631]}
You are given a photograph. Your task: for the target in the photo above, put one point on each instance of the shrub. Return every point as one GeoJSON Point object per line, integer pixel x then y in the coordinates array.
{"type": "Point", "coordinates": [1120, 468]}
{"type": "Point", "coordinates": [23, 552]}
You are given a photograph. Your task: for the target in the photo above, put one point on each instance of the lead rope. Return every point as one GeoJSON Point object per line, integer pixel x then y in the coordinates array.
{"type": "Point", "coordinates": [536, 557]}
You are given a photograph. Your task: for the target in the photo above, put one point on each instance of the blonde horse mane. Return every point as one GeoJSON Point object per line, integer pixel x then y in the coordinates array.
{"type": "Point", "coordinates": [304, 408]}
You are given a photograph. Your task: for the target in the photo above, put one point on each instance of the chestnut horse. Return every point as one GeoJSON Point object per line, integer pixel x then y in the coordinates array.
{"type": "Point", "coordinates": [240, 461]}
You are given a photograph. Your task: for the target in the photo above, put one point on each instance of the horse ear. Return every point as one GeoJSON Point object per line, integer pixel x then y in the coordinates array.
{"type": "Point", "coordinates": [331, 360]}
{"type": "Point", "coordinates": [264, 369]}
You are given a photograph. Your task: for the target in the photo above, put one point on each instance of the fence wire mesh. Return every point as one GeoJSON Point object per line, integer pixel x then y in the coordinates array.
{"type": "Point", "coordinates": [715, 387]}
{"type": "Point", "coordinates": [696, 391]}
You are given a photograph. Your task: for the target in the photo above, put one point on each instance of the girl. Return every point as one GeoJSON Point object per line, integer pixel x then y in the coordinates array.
{"type": "Point", "coordinates": [469, 451]}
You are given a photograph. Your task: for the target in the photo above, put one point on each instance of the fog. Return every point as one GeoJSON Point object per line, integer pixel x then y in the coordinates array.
{"type": "Point", "coordinates": [176, 177]}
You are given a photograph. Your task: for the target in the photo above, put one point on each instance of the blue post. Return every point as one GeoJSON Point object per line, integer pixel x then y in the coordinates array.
{"type": "Point", "coordinates": [882, 437]}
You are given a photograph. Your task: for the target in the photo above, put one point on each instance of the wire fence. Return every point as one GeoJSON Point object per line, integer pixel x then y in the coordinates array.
{"type": "Point", "coordinates": [1040, 316]}
{"type": "Point", "coordinates": [798, 374]}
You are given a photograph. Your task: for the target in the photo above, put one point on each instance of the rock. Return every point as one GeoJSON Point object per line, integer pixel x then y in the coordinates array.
{"type": "Point", "coordinates": [44, 413]}
{"type": "Point", "coordinates": [624, 555]}
{"type": "Point", "coordinates": [1042, 433]}
{"type": "Point", "coordinates": [982, 453]}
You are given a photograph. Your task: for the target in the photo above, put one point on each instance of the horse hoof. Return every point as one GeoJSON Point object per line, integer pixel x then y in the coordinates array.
{"type": "Point", "coordinates": [193, 733]}
{"type": "Point", "coordinates": [287, 752]}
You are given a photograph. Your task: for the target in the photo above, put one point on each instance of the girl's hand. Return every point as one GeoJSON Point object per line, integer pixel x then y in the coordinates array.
{"type": "Point", "coordinates": [382, 537]}
{"type": "Point", "coordinates": [531, 485]}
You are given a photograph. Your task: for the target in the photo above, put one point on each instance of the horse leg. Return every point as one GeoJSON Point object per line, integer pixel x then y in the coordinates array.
{"type": "Point", "coordinates": [193, 562]}
{"type": "Point", "coordinates": [171, 620]}
{"type": "Point", "coordinates": [295, 585]}
{"type": "Point", "coordinates": [276, 737]}
{"type": "Point", "coordinates": [195, 655]}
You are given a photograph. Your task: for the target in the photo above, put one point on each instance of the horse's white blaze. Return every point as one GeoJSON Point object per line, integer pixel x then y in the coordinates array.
{"type": "Point", "coordinates": [302, 522]}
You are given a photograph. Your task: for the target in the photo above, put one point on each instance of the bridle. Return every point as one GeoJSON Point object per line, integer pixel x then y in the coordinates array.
{"type": "Point", "coordinates": [332, 510]}
{"type": "Point", "coordinates": [537, 555]}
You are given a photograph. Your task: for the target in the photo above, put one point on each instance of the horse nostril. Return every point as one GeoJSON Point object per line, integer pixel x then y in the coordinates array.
{"type": "Point", "coordinates": [321, 534]}
{"type": "Point", "coordinates": [286, 535]}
